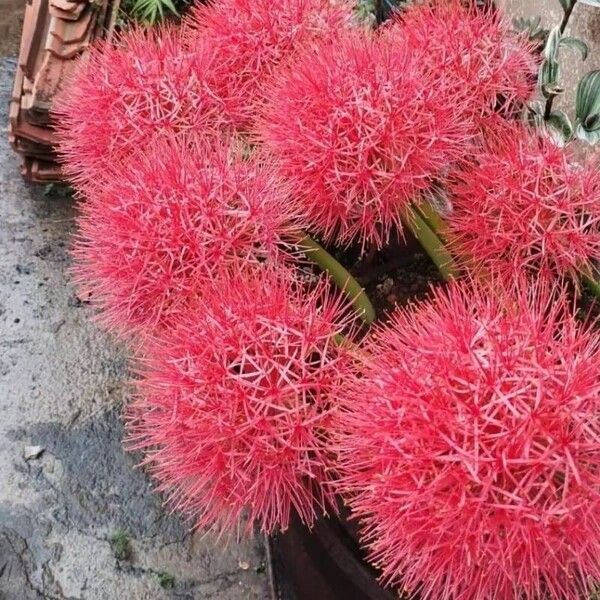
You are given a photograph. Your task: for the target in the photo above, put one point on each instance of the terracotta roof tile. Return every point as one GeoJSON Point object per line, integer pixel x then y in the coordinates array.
{"type": "Point", "coordinates": [55, 33]}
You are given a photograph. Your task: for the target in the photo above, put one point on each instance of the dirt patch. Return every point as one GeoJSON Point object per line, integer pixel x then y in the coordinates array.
{"type": "Point", "coordinates": [11, 21]}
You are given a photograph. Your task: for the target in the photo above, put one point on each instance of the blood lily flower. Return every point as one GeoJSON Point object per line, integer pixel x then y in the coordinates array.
{"type": "Point", "coordinates": [472, 53]}
{"type": "Point", "coordinates": [526, 206]}
{"type": "Point", "coordinates": [359, 130]}
{"type": "Point", "coordinates": [235, 403]}
{"type": "Point", "coordinates": [122, 95]}
{"type": "Point", "coordinates": [168, 222]}
{"type": "Point", "coordinates": [252, 38]}
{"type": "Point", "coordinates": [470, 447]}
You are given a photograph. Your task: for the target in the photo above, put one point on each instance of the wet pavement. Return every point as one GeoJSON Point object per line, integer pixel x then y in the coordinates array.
{"type": "Point", "coordinates": [77, 519]}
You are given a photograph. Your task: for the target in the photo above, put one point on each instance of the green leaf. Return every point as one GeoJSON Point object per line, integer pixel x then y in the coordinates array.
{"type": "Point", "coordinates": [535, 114]}
{"type": "Point", "coordinates": [595, 3]}
{"type": "Point", "coordinates": [166, 580]}
{"type": "Point", "coordinates": [559, 127]}
{"type": "Point", "coordinates": [169, 4]}
{"type": "Point", "coordinates": [576, 44]}
{"type": "Point", "coordinates": [591, 137]}
{"type": "Point", "coordinates": [520, 24]}
{"type": "Point", "coordinates": [592, 123]}
{"type": "Point", "coordinates": [532, 28]}
{"type": "Point", "coordinates": [534, 23]}
{"type": "Point", "coordinates": [365, 11]}
{"type": "Point", "coordinates": [524, 24]}
{"type": "Point", "coordinates": [151, 11]}
{"type": "Point", "coordinates": [587, 108]}
{"type": "Point", "coordinates": [587, 101]}
{"type": "Point", "coordinates": [540, 35]}
{"type": "Point", "coordinates": [551, 47]}
{"type": "Point", "coordinates": [548, 78]}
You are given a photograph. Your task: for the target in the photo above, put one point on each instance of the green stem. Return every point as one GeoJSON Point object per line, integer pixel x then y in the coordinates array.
{"type": "Point", "coordinates": [340, 340]}
{"type": "Point", "coordinates": [432, 244]}
{"type": "Point", "coordinates": [432, 219]}
{"type": "Point", "coordinates": [563, 26]}
{"type": "Point", "coordinates": [592, 285]}
{"type": "Point", "coordinates": [340, 276]}
{"type": "Point", "coordinates": [567, 16]}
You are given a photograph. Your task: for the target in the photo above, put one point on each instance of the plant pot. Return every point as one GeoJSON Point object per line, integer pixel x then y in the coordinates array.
{"type": "Point", "coordinates": [325, 563]}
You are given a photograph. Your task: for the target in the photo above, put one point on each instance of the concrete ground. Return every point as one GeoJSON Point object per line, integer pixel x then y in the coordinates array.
{"type": "Point", "coordinates": [11, 22]}
{"type": "Point", "coordinates": [77, 520]}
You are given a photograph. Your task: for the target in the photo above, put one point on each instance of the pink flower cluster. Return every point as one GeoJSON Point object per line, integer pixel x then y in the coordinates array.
{"type": "Point", "coordinates": [254, 38]}
{"type": "Point", "coordinates": [181, 213]}
{"type": "Point", "coordinates": [125, 94]}
{"type": "Point", "coordinates": [235, 407]}
{"type": "Point", "coordinates": [525, 206]}
{"type": "Point", "coordinates": [472, 55]}
{"type": "Point", "coordinates": [360, 129]}
{"type": "Point", "coordinates": [476, 473]}
{"type": "Point", "coordinates": [463, 433]}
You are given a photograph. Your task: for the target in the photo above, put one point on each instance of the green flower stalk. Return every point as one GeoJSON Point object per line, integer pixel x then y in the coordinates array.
{"type": "Point", "coordinates": [340, 276]}
{"type": "Point", "coordinates": [592, 284]}
{"type": "Point", "coordinates": [431, 242]}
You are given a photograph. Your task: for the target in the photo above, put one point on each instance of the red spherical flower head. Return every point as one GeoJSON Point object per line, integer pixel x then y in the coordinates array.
{"type": "Point", "coordinates": [470, 447]}
{"type": "Point", "coordinates": [527, 207]}
{"type": "Point", "coordinates": [473, 54]}
{"type": "Point", "coordinates": [360, 131]}
{"type": "Point", "coordinates": [236, 402]}
{"type": "Point", "coordinates": [253, 37]}
{"type": "Point", "coordinates": [169, 222]}
{"type": "Point", "coordinates": [122, 95]}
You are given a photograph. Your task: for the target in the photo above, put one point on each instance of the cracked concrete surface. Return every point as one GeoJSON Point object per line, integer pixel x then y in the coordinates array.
{"type": "Point", "coordinates": [61, 388]}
